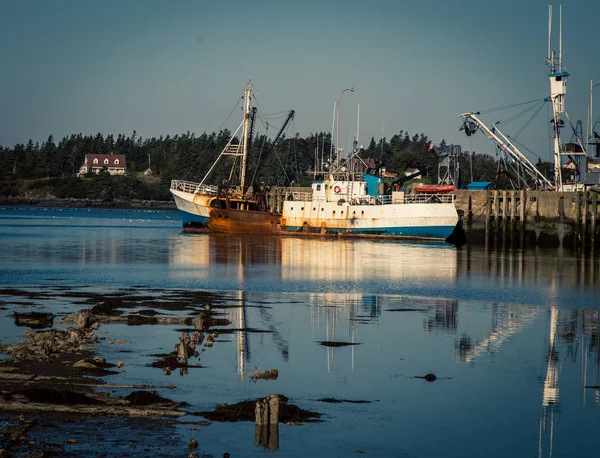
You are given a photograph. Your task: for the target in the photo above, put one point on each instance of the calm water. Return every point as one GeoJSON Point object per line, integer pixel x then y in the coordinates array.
{"type": "Point", "coordinates": [513, 337]}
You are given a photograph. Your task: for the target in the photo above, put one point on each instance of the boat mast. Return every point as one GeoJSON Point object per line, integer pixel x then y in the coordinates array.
{"type": "Point", "coordinates": [558, 90]}
{"type": "Point", "coordinates": [245, 135]}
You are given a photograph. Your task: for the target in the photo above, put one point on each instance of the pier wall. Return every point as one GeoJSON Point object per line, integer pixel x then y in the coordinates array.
{"type": "Point", "coordinates": [521, 219]}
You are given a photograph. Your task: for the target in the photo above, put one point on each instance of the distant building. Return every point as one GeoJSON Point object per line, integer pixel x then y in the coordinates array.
{"type": "Point", "coordinates": [114, 163]}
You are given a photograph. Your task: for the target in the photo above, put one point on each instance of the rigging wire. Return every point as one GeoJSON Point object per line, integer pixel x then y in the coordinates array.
{"type": "Point", "coordinates": [212, 138]}
{"type": "Point", "coordinates": [529, 121]}
{"type": "Point", "coordinates": [264, 119]}
{"type": "Point", "coordinates": [491, 110]}
{"type": "Point", "coordinates": [522, 113]}
{"type": "Point", "coordinates": [257, 162]}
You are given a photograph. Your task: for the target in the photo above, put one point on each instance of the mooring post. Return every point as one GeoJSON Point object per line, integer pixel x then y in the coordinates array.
{"type": "Point", "coordinates": [585, 221]}
{"type": "Point", "coordinates": [577, 220]}
{"type": "Point", "coordinates": [266, 415]}
{"type": "Point", "coordinates": [505, 195]}
{"type": "Point", "coordinates": [522, 218]}
{"type": "Point", "coordinates": [513, 215]}
{"type": "Point", "coordinates": [496, 212]}
{"type": "Point", "coordinates": [593, 221]}
{"type": "Point", "coordinates": [469, 216]}
{"type": "Point", "coordinates": [273, 438]}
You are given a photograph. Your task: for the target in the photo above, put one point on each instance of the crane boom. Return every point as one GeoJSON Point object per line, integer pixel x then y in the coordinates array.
{"type": "Point", "coordinates": [511, 150]}
{"type": "Point", "coordinates": [290, 116]}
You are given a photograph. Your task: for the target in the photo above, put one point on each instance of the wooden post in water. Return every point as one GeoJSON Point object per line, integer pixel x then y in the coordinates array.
{"type": "Point", "coordinates": [513, 216]}
{"type": "Point", "coordinates": [469, 217]}
{"type": "Point", "coordinates": [577, 221]}
{"type": "Point", "coordinates": [593, 221]}
{"type": "Point", "coordinates": [488, 218]}
{"type": "Point", "coordinates": [585, 221]}
{"type": "Point", "coordinates": [504, 217]}
{"type": "Point", "coordinates": [522, 216]}
{"type": "Point", "coordinates": [266, 430]}
{"type": "Point", "coordinates": [496, 217]}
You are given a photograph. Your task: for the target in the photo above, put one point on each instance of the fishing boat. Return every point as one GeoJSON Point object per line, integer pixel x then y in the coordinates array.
{"type": "Point", "coordinates": [226, 208]}
{"type": "Point", "coordinates": [341, 202]}
{"type": "Point", "coordinates": [348, 203]}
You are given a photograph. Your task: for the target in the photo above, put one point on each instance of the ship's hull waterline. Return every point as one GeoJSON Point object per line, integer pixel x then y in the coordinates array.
{"type": "Point", "coordinates": [398, 221]}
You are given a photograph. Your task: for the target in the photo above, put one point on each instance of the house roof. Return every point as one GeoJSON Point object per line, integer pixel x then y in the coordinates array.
{"type": "Point", "coordinates": [114, 160]}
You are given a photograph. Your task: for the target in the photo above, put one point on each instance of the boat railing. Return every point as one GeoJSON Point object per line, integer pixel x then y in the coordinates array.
{"type": "Point", "coordinates": [382, 199]}
{"type": "Point", "coordinates": [194, 188]}
{"type": "Point", "coordinates": [371, 200]}
{"type": "Point", "coordinates": [303, 196]}
{"type": "Point", "coordinates": [428, 198]}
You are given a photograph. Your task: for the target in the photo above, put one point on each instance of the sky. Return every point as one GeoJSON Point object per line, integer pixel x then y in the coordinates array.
{"type": "Point", "coordinates": [168, 67]}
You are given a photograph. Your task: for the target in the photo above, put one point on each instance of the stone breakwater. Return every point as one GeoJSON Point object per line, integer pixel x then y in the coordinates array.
{"type": "Point", "coordinates": [520, 219]}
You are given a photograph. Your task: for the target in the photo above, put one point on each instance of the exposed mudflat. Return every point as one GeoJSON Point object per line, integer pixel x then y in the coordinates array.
{"type": "Point", "coordinates": [56, 394]}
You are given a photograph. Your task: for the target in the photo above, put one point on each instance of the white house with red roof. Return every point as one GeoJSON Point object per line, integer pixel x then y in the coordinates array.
{"type": "Point", "coordinates": [114, 163]}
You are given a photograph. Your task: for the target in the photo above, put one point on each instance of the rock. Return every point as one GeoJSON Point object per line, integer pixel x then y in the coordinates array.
{"type": "Point", "coordinates": [270, 374]}
{"type": "Point", "coordinates": [34, 320]}
{"type": "Point", "coordinates": [430, 377]}
{"type": "Point", "coordinates": [209, 341]}
{"type": "Point", "coordinates": [193, 443]}
{"type": "Point", "coordinates": [83, 364]}
{"type": "Point", "coordinates": [84, 319]}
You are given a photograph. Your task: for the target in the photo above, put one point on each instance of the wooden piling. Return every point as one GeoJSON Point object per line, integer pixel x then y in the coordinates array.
{"type": "Point", "coordinates": [504, 220]}
{"type": "Point", "coordinates": [593, 221]}
{"type": "Point", "coordinates": [577, 229]}
{"type": "Point", "coordinates": [585, 222]}
{"type": "Point", "coordinates": [266, 415]}
{"type": "Point", "coordinates": [522, 218]}
{"type": "Point", "coordinates": [496, 212]}
{"type": "Point", "coordinates": [488, 217]}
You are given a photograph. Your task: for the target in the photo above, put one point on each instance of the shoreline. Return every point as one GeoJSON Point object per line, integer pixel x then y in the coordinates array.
{"type": "Point", "coordinates": [89, 203]}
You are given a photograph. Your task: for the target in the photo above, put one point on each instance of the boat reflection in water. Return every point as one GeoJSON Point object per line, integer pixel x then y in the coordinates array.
{"type": "Point", "coordinates": [342, 266]}
{"type": "Point", "coordinates": [533, 310]}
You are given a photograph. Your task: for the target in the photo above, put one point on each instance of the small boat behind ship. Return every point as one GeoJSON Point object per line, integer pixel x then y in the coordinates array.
{"type": "Point", "coordinates": [433, 189]}
{"type": "Point", "coordinates": [341, 202]}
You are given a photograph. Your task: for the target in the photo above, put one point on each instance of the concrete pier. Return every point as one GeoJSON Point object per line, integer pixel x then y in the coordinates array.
{"type": "Point", "coordinates": [519, 219]}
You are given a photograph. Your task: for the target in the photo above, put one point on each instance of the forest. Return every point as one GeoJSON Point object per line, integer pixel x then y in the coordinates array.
{"type": "Point", "coordinates": [55, 165]}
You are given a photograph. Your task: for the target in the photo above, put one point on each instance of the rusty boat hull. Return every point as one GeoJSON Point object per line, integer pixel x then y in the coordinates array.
{"type": "Point", "coordinates": [202, 213]}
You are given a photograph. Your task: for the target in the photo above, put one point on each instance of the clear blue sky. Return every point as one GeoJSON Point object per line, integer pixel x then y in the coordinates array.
{"type": "Point", "coordinates": [166, 67]}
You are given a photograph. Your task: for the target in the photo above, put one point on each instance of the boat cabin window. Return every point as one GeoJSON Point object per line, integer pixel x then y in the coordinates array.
{"type": "Point", "coordinates": [318, 187]}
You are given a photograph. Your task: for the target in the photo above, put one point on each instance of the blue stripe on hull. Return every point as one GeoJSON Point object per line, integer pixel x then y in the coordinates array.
{"type": "Point", "coordinates": [188, 218]}
{"type": "Point", "coordinates": [425, 232]}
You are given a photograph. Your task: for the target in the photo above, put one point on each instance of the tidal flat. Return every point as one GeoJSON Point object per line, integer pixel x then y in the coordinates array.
{"type": "Point", "coordinates": [120, 335]}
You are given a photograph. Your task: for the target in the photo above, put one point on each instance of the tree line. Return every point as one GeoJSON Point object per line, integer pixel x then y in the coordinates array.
{"type": "Point", "coordinates": [188, 156]}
